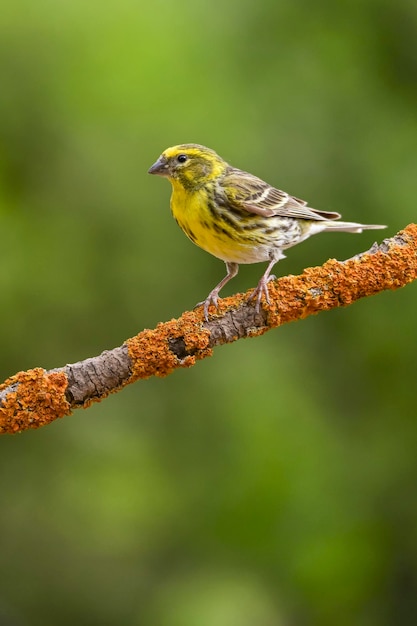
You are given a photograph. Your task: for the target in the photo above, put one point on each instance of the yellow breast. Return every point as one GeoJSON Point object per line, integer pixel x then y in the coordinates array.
{"type": "Point", "coordinates": [195, 214]}
{"type": "Point", "coordinates": [190, 210]}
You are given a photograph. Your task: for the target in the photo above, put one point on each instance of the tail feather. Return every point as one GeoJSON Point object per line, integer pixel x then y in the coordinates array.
{"type": "Point", "coordinates": [349, 227]}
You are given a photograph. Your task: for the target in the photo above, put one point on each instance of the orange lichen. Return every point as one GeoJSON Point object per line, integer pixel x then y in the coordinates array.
{"type": "Point", "coordinates": [37, 398]}
{"type": "Point", "coordinates": [338, 283]}
{"type": "Point", "coordinates": [151, 350]}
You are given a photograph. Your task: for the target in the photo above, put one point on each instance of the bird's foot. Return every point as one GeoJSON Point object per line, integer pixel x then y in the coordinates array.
{"type": "Point", "coordinates": [212, 299]}
{"type": "Point", "coordinates": [261, 290]}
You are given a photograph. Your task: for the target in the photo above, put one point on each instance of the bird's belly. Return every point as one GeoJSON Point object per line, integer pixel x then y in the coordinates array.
{"type": "Point", "coordinates": [221, 242]}
{"type": "Point", "coordinates": [233, 252]}
{"type": "Point", "coordinates": [227, 245]}
{"type": "Point", "coordinates": [236, 239]}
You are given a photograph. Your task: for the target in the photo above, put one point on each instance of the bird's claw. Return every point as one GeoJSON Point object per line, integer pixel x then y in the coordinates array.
{"type": "Point", "coordinates": [261, 290]}
{"type": "Point", "coordinates": [212, 299]}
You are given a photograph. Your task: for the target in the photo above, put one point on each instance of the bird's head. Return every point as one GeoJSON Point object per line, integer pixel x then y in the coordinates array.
{"type": "Point", "coordinates": [190, 164]}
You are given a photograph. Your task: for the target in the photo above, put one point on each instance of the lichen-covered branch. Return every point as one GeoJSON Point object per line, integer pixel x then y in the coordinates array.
{"type": "Point", "coordinates": [34, 398]}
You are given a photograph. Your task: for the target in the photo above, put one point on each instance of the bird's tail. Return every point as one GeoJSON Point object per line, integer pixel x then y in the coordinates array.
{"type": "Point", "coordinates": [348, 227]}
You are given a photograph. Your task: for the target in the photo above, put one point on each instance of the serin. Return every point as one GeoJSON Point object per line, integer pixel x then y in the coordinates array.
{"type": "Point", "coordinates": [236, 216]}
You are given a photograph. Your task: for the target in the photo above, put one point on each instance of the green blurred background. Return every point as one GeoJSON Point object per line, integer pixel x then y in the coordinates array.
{"type": "Point", "coordinates": [275, 483]}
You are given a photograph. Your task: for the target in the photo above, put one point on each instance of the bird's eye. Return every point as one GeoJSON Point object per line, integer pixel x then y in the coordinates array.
{"type": "Point", "coordinates": [181, 158]}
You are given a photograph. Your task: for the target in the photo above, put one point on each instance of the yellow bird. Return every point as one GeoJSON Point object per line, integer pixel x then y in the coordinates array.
{"type": "Point", "coordinates": [236, 216]}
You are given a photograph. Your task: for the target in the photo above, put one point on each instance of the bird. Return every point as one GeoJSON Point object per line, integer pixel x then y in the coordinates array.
{"type": "Point", "coordinates": [238, 217]}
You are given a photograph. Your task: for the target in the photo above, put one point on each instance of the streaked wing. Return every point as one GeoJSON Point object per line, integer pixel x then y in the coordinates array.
{"type": "Point", "coordinates": [245, 191]}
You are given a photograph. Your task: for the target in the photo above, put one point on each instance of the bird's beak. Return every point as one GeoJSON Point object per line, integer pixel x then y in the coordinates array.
{"type": "Point", "coordinates": [160, 167]}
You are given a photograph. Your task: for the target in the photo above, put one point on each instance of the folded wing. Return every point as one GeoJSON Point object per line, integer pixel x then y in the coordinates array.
{"type": "Point", "coordinates": [248, 192]}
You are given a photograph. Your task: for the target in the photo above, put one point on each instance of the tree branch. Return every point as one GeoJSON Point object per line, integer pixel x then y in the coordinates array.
{"type": "Point", "coordinates": [36, 397]}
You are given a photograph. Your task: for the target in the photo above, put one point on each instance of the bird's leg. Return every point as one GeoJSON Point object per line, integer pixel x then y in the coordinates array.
{"type": "Point", "coordinates": [262, 288]}
{"type": "Point", "coordinates": [212, 298]}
